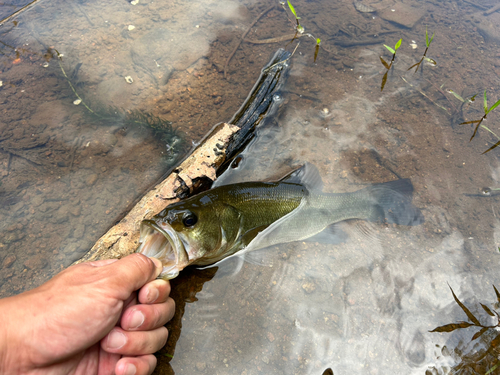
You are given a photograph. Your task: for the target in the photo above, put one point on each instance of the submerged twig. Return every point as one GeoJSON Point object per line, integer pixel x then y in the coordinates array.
{"type": "Point", "coordinates": [277, 39]}
{"type": "Point", "coordinates": [17, 12]}
{"type": "Point", "coordinates": [492, 10]}
{"type": "Point", "coordinates": [243, 37]}
{"type": "Point", "coordinates": [422, 93]}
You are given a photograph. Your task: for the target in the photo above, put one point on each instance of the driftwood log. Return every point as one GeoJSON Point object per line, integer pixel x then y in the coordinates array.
{"type": "Point", "coordinates": [198, 171]}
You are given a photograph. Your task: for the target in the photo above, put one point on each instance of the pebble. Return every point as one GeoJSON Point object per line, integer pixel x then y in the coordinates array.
{"type": "Point", "coordinates": [309, 287]}
{"type": "Point", "coordinates": [8, 261]}
{"type": "Point", "coordinates": [75, 211]}
{"type": "Point", "coordinates": [110, 139]}
{"type": "Point", "coordinates": [79, 231]}
{"type": "Point", "coordinates": [200, 366]}
{"type": "Point", "coordinates": [36, 262]}
{"type": "Point", "coordinates": [91, 180]}
{"type": "Point", "coordinates": [6, 274]}
{"type": "Point", "coordinates": [13, 237]}
{"type": "Point", "coordinates": [70, 248]}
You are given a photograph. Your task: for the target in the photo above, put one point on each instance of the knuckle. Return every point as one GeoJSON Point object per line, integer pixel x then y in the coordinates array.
{"type": "Point", "coordinates": [143, 262]}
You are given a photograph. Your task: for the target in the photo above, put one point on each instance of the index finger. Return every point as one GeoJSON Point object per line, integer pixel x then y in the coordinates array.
{"type": "Point", "coordinates": [132, 272]}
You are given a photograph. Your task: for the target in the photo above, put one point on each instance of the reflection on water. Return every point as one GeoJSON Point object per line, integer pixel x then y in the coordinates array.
{"type": "Point", "coordinates": [362, 306]}
{"type": "Point", "coordinates": [480, 353]}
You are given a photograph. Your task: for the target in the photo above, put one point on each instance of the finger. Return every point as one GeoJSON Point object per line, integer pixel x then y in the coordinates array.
{"type": "Point", "coordinates": [100, 263]}
{"type": "Point", "coordinates": [156, 291]}
{"type": "Point", "coordinates": [129, 302]}
{"type": "Point", "coordinates": [143, 365]}
{"type": "Point", "coordinates": [134, 343]}
{"type": "Point", "coordinates": [131, 273]}
{"type": "Point", "coordinates": [148, 317]}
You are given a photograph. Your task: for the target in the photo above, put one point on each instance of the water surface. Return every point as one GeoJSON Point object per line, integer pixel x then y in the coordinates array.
{"type": "Point", "coordinates": [362, 306]}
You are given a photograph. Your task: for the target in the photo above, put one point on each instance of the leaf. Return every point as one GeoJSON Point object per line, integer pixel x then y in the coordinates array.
{"type": "Point", "coordinates": [491, 369]}
{"type": "Point", "coordinates": [471, 317]}
{"type": "Point", "coordinates": [486, 308]}
{"type": "Point", "coordinates": [472, 98]}
{"type": "Point", "coordinates": [452, 327]}
{"type": "Point", "coordinates": [498, 294]}
{"type": "Point", "coordinates": [390, 49]}
{"type": "Point", "coordinates": [477, 127]}
{"type": "Point", "coordinates": [427, 41]}
{"type": "Point", "coordinates": [494, 106]}
{"type": "Point", "coordinates": [318, 41]}
{"type": "Point", "coordinates": [398, 44]}
{"type": "Point", "coordinates": [479, 333]}
{"type": "Point", "coordinates": [384, 63]}
{"type": "Point", "coordinates": [430, 61]}
{"type": "Point", "coordinates": [384, 80]}
{"type": "Point", "coordinates": [488, 150]}
{"type": "Point", "coordinates": [485, 103]}
{"type": "Point", "coordinates": [456, 95]}
{"type": "Point", "coordinates": [292, 9]}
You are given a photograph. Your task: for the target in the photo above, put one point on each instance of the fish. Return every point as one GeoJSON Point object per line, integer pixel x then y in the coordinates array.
{"type": "Point", "coordinates": [233, 219]}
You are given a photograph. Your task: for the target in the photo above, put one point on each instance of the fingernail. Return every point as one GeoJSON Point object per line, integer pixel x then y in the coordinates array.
{"type": "Point", "coordinates": [128, 369]}
{"type": "Point", "coordinates": [116, 340]}
{"type": "Point", "coordinates": [137, 319]}
{"type": "Point", "coordinates": [152, 295]}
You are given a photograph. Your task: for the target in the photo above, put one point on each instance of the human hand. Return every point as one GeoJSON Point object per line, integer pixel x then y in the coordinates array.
{"type": "Point", "coordinates": [89, 319]}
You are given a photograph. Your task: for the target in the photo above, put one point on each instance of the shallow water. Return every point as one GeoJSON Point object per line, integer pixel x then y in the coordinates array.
{"type": "Point", "coordinates": [363, 306]}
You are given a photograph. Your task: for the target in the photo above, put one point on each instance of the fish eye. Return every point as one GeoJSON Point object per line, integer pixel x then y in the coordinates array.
{"type": "Point", "coordinates": [189, 219]}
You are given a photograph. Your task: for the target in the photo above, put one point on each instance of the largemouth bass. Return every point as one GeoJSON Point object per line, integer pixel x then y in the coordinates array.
{"type": "Point", "coordinates": [237, 218]}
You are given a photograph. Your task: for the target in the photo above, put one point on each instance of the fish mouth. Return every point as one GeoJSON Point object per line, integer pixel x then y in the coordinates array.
{"type": "Point", "coordinates": [163, 243]}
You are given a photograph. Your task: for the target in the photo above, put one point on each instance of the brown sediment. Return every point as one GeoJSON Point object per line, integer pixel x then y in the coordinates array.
{"type": "Point", "coordinates": [243, 37]}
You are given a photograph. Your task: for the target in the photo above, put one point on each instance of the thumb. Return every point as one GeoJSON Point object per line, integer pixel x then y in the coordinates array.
{"type": "Point", "coordinates": [132, 272]}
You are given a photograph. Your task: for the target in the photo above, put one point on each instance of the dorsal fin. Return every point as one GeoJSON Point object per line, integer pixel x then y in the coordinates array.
{"type": "Point", "coordinates": [306, 175]}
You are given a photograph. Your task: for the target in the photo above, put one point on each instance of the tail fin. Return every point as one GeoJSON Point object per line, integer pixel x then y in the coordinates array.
{"type": "Point", "coordinates": [393, 203]}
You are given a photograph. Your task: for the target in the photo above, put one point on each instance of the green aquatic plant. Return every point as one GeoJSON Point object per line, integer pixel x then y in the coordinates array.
{"type": "Point", "coordinates": [394, 50]}
{"type": "Point", "coordinates": [492, 339]}
{"type": "Point", "coordinates": [299, 27]}
{"type": "Point", "coordinates": [478, 122]}
{"type": "Point", "coordinates": [424, 57]}
{"type": "Point", "coordinates": [388, 66]}
{"type": "Point", "coordinates": [316, 49]}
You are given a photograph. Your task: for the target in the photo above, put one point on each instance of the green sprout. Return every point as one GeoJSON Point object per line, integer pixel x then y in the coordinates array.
{"type": "Point", "coordinates": [478, 122]}
{"type": "Point", "coordinates": [318, 41]}
{"type": "Point", "coordinates": [393, 51]}
{"type": "Point", "coordinates": [427, 41]}
{"type": "Point", "coordinates": [300, 29]}
{"type": "Point", "coordinates": [386, 65]}
{"type": "Point", "coordinates": [424, 57]}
